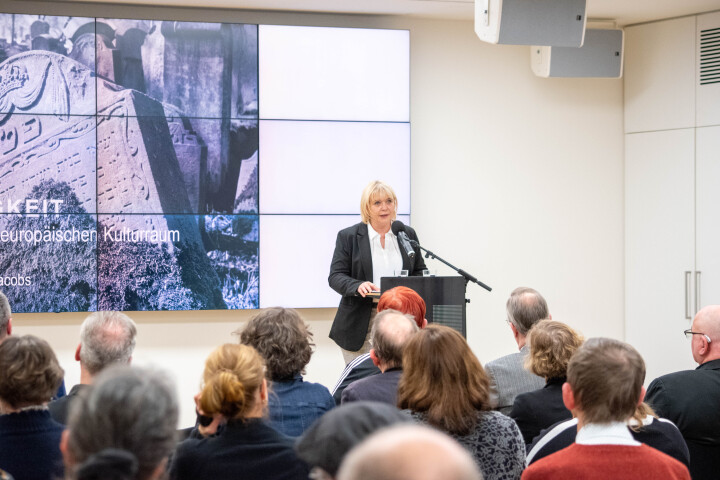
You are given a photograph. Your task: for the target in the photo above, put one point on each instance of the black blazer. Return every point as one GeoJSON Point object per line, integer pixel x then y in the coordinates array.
{"type": "Point", "coordinates": [535, 411]}
{"type": "Point", "coordinates": [691, 400]}
{"type": "Point", "coordinates": [351, 266]}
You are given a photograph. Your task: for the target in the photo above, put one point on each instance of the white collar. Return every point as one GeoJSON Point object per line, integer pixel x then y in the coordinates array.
{"type": "Point", "coordinates": [373, 234]}
{"type": "Point", "coordinates": [615, 433]}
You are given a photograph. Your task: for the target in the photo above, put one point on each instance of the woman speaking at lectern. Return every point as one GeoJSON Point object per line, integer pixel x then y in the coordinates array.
{"type": "Point", "coordinates": [364, 253]}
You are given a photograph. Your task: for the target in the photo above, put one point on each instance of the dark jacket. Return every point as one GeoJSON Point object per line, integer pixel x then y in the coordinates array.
{"type": "Point", "coordinates": [250, 449]}
{"type": "Point", "coordinates": [690, 400]}
{"type": "Point", "coordinates": [534, 411]}
{"type": "Point", "coordinates": [351, 266]}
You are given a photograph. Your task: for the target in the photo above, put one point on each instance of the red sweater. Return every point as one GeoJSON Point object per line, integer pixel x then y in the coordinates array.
{"type": "Point", "coordinates": [604, 462]}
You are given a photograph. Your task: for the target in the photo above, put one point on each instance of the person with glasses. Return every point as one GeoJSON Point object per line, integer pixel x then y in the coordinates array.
{"type": "Point", "coordinates": [691, 398]}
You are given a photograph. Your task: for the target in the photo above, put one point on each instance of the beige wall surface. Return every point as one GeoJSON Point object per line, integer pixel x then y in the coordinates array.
{"type": "Point", "coordinates": [516, 179]}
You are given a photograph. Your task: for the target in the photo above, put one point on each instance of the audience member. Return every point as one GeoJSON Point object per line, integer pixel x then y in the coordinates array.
{"type": "Point", "coordinates": [324, 445]}
{"type": "Point", "coordinates": [409, 453]}
{"type": "Point", "coordinates": [691, 398]}
{"type": "Point", "coordinates": [6, 330]}
{"type": "Point", "coordinates": [391, 331]}
{"type": "Point", "coordinates": [123, 428]}
{"type": "Point", "coordinates": [235, 394]}
{"type": "Point", "coordinates": [106, 338]}
{"type": "Point", "coordinates": [603, 390]}
{"type": "Point", "coordinates": [445, 386]}
{"type": "Point", "coordinates": [551, 346]}
{"type": "Point", "coordinates": [285, 342]}
{"type": "Point", "coordinates": [5, 317]}
{"type": "Point", "coordinates": [508, 378]}
{"type": "Point", "coordinates": [29, 437]}
{"type": "Point", "coordinates": [402, 299]}
{"type": "Point", "coordinates": [5, 476]}
{"type": "Point", "coordinates": [644, 426]}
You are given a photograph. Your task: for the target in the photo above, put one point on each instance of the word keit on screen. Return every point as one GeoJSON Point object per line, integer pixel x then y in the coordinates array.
{"type": "Point", "coordinates": [31, 205]}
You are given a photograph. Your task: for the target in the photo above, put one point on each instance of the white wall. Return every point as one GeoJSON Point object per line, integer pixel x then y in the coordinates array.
{"type": "Point", "coordinates": [516, 179]}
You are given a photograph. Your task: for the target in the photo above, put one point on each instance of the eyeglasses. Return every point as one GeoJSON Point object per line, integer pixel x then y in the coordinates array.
{"type": "Point", "coordinates": [689, 333]}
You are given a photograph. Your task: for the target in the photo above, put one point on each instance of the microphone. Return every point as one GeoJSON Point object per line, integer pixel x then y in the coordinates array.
{"type": "Point", "coordinates": [398, 229]}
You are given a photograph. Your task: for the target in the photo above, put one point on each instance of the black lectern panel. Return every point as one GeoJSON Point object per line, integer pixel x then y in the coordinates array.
{"type": "Point", "coordinates": [444, 297]}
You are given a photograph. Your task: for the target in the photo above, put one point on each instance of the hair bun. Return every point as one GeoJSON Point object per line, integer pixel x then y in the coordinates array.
{"type": "Point", "coordinates": [109, 464]}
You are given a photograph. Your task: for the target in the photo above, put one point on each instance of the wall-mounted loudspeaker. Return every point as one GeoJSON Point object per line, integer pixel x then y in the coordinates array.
{"type": "Point", "coordinates": [600, 56]}
{"type": "Point", "coordinates": [531, 22]}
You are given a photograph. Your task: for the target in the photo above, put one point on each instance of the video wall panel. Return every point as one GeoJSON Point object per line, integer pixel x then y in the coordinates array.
{"type": "Point", "coordinates": [136, 174]}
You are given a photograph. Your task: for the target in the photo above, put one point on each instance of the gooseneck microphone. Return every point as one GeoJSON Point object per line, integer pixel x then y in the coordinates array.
{"type": "Point", "coordinates": [398, 229]}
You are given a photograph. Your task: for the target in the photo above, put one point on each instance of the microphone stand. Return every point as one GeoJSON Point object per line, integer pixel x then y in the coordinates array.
{"type": "Point", "coordinates": [468, 277]}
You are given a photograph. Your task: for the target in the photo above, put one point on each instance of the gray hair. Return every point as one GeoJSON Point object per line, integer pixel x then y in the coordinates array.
{"type": "Point", "coordinates": [390, 333]}
{"type": "Point", "coordinates": [106, 338]}
{"type": "Point", "coordinates": [128, 419]}
{"type": "Point", "coordinates": [5, 314]}
{"type": "Point", "coordinates": [525, 308]}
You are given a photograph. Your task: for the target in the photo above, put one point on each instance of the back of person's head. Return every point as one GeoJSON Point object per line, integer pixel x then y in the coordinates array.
{"type": "Point", "coordinates": [123, 427]}
{"type": "Point", "coordinates": [405, 300]}
{"type": "Point", "coordinates": [390, 334]}
{"type": "Point", "coordinates": [232, 377]}
{"type": "Point", "coordinates": [552, 344]}
{"type": "Point", "coordinates": [409, 452]}
{"type": "Point", "coordinates": [29, 371]}
{"type": "Point", "coordinates": [5, 314]}
{"type": "Point", "coordinates": [282, 338]}
{"type": "Point", "coordinates": [525, 308]}
{"type": "Point", "coordinates": [324, 445]}
{"type": "Point", "coordinates": [443, 378]}
{"type": "Point", "coordinates": [106, 338]}
{"type": "Point", "coordinates": [606, 377]}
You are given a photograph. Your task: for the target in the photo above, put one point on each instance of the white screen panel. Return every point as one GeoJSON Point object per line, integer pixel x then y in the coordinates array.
{"type": "Point", "coordinates": [322, 167]}
{"type": "Point", "coordinates": [295, 256]}
{"type": "Point", "coordinates": [320, 73]}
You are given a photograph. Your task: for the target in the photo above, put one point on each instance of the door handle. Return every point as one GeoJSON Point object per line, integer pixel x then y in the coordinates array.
{"type": "Point", "coordinates": [688, 274]}
{"type": "Point", "coordinates": [697, 291]}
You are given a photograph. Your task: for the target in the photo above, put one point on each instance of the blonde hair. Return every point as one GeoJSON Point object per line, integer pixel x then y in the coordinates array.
{"type": "Point", "coordinates": [373, 190]}
{"type": "Point", "coordinates": [233, 374]}
{"type": "Point", "coordinates": [551, 345]}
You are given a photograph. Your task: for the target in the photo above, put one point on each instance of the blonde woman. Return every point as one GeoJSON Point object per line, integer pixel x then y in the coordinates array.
{"type": "Point", "coordinates": [552, 344]}
{"type": "Point", "coordinates": [235, 395]}
{"type": "Point", "coordinates": [364, 253]}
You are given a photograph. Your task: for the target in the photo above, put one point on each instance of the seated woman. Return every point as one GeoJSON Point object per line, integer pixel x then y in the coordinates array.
{"type": "Point", "coordinates": [444, 385]}
{"type": "Point", "coordinates": [29, 438]}
{"type": "Point", "coordinates": [235, 395]}
{"type": "Point", "coordinates": [285, 342]}
{"type": "Point", "coordinates": [123, 427]}
{"type": "Point", "coordinates": [551, 344]}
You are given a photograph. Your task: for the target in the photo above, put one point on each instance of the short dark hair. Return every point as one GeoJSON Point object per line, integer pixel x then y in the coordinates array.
{"type": "Point", "coordinates": [282, 338]}
{"type": "Point", "coordinates": [29, 371]}
{"type": "Point", "coordinates": [389, 338]}
{"type": "Point", "coordinates": [525, 308]}
{"type": "Point", "coordinates": [606, 377]}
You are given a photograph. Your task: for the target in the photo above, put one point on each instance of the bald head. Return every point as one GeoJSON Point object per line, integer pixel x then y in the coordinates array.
{"type": "Point", "coordinates": [409, 452]}
{"type": "Point", "coordinates": [390, 333]}
{"type": "Point", "coordinates": [707, 322]}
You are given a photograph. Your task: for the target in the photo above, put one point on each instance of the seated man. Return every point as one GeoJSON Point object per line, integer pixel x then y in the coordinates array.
{"type": "Point", "coordinates": [603, 389]}
{"type": "Point", "coordinates": [390, 333]}
{"type": "Point", "coordinates": [409, 451]}
{"type": "Point", "coordinates": [106, 338]}
{"type": "Point", "coordinates": [508, 377]}
{"type": "Point", "coordinates": [402, 299]}
{"type": "Point", "coordinates": [690, 398]}
{"type": "Point", "coordinates": [284, 341]}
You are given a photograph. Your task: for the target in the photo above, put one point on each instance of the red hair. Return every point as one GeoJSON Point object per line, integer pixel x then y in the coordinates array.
{"type": "Point", "coordinates": [405, 300]}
